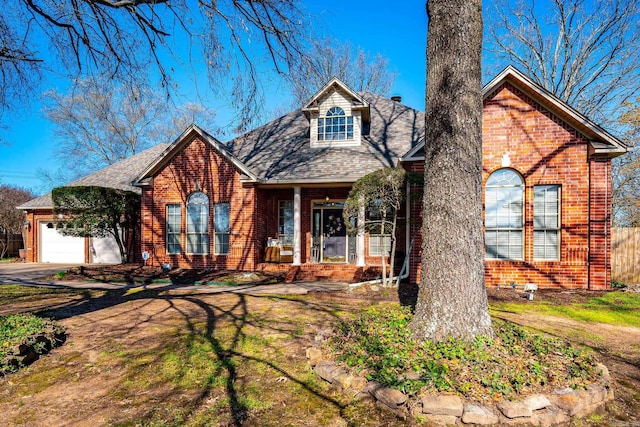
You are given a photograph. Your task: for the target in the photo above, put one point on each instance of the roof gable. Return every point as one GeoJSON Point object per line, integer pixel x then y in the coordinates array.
{"type": "Point", "coordinates": [602, 143]}
{"type": "Point", "coordinates": [118, 175]}
{"type": "Point", "coordinates": [187, 136]}
{"type": "Point", "coordinates": [335, 84]}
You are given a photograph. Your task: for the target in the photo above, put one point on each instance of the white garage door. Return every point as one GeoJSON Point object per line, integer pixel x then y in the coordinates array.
{"type": "Point", "coordinates": [104, 250]}
{"type": "Point", "coordinates": [56, 248]}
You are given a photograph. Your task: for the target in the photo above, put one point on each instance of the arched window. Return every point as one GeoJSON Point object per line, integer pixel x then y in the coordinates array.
{"type": "Point", "coordinates": [336, 125]}
{"type": "Point", "coordinates": [198, 224]}
{"type": "Point", "coordinates": [503, 221]}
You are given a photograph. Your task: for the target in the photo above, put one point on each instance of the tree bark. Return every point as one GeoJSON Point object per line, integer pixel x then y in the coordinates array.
{"type": "Point", "coordinates": [452, 301]}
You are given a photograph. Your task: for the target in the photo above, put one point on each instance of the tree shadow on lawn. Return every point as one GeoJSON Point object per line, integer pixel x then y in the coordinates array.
{"type": "Point", "coordinates": [193, 309]}
{"type": "Point", "coordinates": [136, 274]}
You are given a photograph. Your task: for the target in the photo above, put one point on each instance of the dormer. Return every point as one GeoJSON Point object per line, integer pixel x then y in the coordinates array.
{"type": "Point", "coordinates": [337, 116]}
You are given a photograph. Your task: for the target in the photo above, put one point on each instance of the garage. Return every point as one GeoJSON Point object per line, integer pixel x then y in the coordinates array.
{"type": "Point", "coordinates": [57, 248]}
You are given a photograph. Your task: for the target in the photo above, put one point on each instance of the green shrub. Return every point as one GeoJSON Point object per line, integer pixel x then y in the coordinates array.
{"type": "Point", "coordinates": [379, 343]}
{"type": "Point", "coordinates": [25, 329]}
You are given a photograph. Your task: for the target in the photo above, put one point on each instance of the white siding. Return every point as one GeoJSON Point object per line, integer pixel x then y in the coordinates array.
{"type": "Point", "coordinates": [336, 98]}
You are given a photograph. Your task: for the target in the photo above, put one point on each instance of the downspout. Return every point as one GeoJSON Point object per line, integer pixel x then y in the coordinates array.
{"type": "Point", "coordinates": [404, 273]}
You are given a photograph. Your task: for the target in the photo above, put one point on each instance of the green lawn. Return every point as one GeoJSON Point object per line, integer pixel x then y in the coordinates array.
{"type": "Point", "coordinates": [614, 308]}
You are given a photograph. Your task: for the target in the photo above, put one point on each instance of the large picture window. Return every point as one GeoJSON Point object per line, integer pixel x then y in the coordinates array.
{"type": "Point", "coordinates": [173, 229]}
{"type": "Point", "coordinates": [198, 224]}
{"type": "Point", "coordinates": [504, 198]}
{"type": "Point", "coordinates": [336, 125]}
{"type": "Point", "coordinates": [546, 222]}
{"type": "Point", "coordinates": [221, 228]}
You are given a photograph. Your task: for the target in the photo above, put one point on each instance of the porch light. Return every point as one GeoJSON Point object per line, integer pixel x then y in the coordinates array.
{"type": "Point", "coordinates": [326, 198]}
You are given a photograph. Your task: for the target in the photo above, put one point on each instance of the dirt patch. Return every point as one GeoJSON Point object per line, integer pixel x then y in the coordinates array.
{"type": "Point", "coordinates": [108, 372]}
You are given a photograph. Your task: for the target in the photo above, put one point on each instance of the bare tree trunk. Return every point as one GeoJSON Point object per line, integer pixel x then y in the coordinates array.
{"type": "Point", "coordinates": [452, 301]}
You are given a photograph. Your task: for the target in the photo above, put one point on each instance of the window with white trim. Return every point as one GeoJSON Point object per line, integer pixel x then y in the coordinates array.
{"type": "Point", "coordinates": [221, 228]}
{"type": "Point", "coordinates": [504, 222]}
{"type": "Point", "coordinates": [546, 222]}
{"type": "Point", "coordinates": [198, 224]}
{"type": "Point", "coordinates": [379, 242]}
{"type": "Point", "coordinates": [173, 229]}
{"type": "Point", "coordinates": [335, 126]}
{"type": "Point", "coordinates": [285, 221]}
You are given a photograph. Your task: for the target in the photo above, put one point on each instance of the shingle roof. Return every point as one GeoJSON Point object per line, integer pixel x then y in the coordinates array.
{"type": "Point", "coordinates": [119, 176]}
{"type": "Point", "coordinates": [280, 151]}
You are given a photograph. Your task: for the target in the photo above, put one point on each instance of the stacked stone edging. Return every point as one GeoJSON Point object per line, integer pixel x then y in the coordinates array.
{"type": "Point", "coordinates": [25, 355]}
{"type": "Point", "coordinates": [556, 408]}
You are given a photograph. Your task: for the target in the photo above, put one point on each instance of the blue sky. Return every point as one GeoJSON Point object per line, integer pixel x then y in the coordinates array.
{"type": "Point", "coordinates": [398, 34]}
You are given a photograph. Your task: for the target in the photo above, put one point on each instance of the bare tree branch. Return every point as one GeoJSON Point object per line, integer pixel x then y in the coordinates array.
{"type": "Point", "coordinates": [588, 59]}
{"type": "Point", "coordinates": [121, 39]}
{"type": "Point", "coordinates": [329, 58]}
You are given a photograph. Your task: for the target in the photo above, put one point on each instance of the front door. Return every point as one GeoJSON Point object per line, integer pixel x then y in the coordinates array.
{"type": "Point", "coordinates": [329, 232]}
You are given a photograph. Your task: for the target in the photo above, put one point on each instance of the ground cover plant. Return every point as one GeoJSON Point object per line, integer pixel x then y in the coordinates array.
{"type": "Point", "coordinates": [513, 363]}
{"type": "Point", "coordinates": [33, 332]}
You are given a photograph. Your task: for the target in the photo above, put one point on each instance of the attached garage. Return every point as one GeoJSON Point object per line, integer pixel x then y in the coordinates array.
{"type": "Point", "coordinates": [57, 248]}
{"type": "Point", "coordinates": [43, 242]}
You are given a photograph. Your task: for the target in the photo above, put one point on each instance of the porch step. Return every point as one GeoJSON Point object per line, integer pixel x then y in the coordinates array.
{"type": "Point", "coordinates": [291, 274]}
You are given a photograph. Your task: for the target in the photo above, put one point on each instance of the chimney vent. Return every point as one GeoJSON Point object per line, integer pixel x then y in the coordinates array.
{"type": "Point", "coordinates": [396, 98]}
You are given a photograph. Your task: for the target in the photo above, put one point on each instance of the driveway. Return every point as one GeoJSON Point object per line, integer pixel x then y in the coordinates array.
{"type": "Point", "coordinates": [33, 274]}
{"type": "Point", "coordinates": [28, 272]}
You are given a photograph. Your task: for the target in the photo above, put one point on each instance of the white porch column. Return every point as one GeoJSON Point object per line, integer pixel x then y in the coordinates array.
{"type": "Point", "coordinates": [360, 238]}
{"type": "Point", "coordinates": [297, 226]}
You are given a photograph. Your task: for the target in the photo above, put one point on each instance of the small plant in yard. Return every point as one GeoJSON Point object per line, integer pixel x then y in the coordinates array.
{"type": "Point", "coordinates": [513, 363]}
{"type": "Point", "coordinates": [24, 330]}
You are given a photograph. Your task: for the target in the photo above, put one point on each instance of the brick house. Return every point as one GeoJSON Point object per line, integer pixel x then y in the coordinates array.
{"type": "Point", "coordinates": [272, 199]}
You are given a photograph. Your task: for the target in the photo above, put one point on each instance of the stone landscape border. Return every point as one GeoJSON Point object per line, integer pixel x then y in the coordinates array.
{"type": "Point", "coordinates": [557, 408]}
{"type": "Point", "coordinates": [26, 354]}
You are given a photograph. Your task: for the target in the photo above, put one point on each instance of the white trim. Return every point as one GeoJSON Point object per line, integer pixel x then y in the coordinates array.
{"type": "Point", "coordinates": [360, 242]}
{"type": "Point", "coordinates": [334, 81]}
{"type": "Point", "coordinates": [297, 225]}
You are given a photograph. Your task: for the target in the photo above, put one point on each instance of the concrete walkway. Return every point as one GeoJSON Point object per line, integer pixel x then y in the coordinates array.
{"type": "Point", "coordinates": [32, 274]}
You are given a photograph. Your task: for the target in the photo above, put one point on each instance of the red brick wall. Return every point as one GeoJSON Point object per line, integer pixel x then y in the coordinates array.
{"type": "Point", "coordinates": [544, 150]}
{"type": "Point", "coordinates": [198, 166]}
{"type": "Point", "coordinates": [600, 224]}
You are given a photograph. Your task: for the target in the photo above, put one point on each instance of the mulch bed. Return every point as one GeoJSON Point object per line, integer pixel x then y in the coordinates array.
{"type": "Point", "coordinates": [145, 274]}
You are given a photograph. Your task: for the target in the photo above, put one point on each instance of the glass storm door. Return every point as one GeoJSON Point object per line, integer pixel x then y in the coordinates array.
{"type": "Point", "coordinates": [329, 233]}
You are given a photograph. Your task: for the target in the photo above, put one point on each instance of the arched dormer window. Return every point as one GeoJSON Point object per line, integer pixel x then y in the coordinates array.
{"type": "Point", "coordinates": [335, 125]}
{"type": "Point", "coordinates": [504, 212]}
{"type": "Point", "coordinates": [198, 224]}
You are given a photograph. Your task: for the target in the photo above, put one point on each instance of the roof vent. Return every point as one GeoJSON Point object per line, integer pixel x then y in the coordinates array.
{"type": "Point", "coordinates": [396, 98]}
